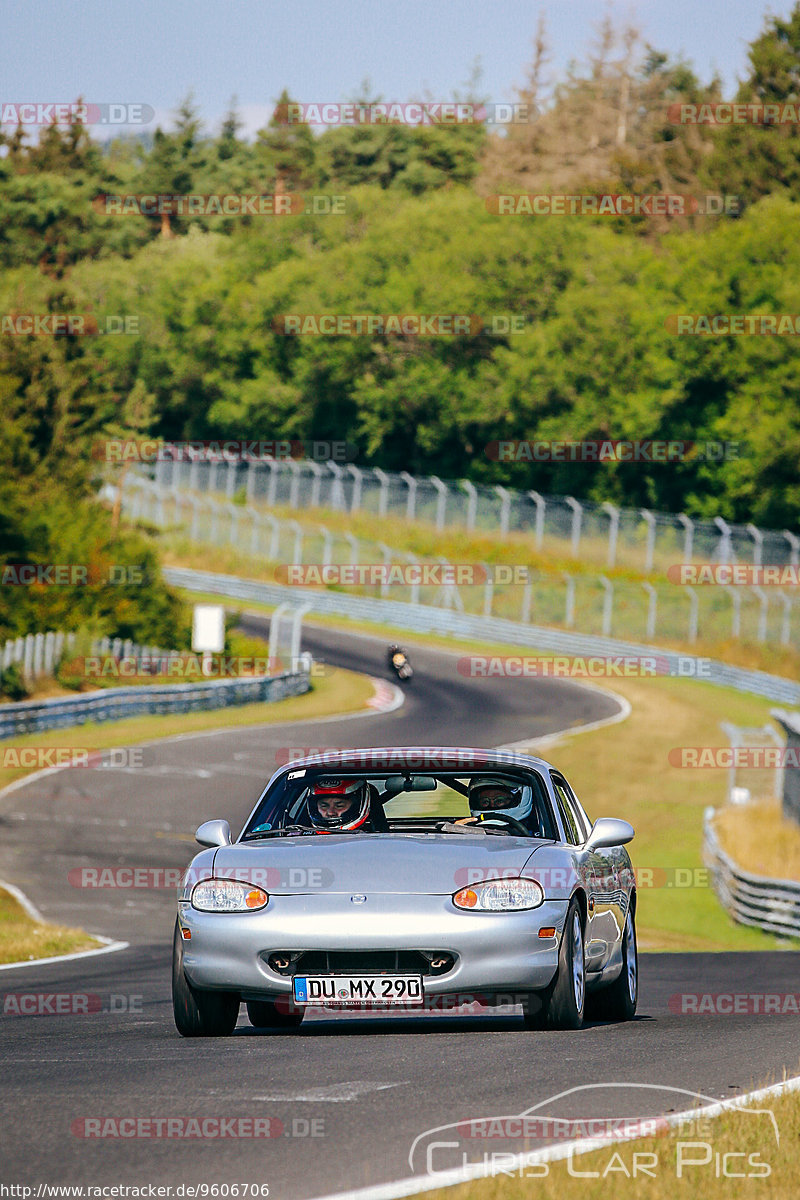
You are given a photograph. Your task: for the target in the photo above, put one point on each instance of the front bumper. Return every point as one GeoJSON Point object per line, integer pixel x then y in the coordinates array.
{"type": "Point", "coordinates": [495, 952]}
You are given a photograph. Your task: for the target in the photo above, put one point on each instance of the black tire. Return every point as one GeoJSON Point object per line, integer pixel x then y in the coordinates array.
{"type": "Point", "coordinates": [617, 1001]}
{"type": "Point", "coordinates": [561, 1005]}
{"type": "Point", "coordinates": [266, 1014]}
{"type": "Point", "coordinates": [199, 1013]}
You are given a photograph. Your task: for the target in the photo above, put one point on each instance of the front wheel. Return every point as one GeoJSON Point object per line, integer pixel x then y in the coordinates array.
{"type": "Point", "coordinates": [561, 1005]}
{"type": "Point", "coordinates": [199, 1013]}
{"type": "Point", "coordinates": [618, 1001]}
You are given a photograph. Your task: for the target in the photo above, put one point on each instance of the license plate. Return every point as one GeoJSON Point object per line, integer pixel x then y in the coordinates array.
{"type": "Point", "coordinates": [377, 990]}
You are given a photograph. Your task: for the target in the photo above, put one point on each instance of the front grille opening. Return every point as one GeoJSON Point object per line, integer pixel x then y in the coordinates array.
{"type": "Point", "coordinates": [361, 962]}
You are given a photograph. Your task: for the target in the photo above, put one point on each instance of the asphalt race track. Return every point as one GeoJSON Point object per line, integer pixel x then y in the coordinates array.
{"type": "Point", "coordinates": [345, 1098]}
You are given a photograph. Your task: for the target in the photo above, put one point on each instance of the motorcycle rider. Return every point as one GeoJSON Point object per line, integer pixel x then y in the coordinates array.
{"type": "Point", "coordinates": [397, 656]}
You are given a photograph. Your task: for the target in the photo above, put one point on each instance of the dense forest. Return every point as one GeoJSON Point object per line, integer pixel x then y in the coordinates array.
{"type": "Point", "coordinates": [394, 218]}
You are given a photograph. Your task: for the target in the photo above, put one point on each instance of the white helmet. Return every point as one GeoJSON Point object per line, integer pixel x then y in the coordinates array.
{"type": "Point", "coordinates": [493, 793]}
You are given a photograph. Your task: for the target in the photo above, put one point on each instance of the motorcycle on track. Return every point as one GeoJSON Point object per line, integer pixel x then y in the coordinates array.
{"type": "Point", "coordinates": [398, 662]}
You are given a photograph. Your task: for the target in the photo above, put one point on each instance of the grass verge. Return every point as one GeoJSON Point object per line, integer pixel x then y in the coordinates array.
{"type": "Point", "coordinates": [22, 939]}
{"type": "Point", "coordinates": [736, 1154]}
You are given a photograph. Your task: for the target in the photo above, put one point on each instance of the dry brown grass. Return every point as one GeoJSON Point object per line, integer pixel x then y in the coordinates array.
{"type": "Point", "coordinates": [760, 839]}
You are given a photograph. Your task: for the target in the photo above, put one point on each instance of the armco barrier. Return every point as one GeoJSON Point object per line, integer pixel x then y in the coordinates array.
{"type": "Point", "coordinates": [424, 618]}
{"type": "Point", "coordinates": [770, 904]}
{"type": "Point", "coordinates": [114, 704]}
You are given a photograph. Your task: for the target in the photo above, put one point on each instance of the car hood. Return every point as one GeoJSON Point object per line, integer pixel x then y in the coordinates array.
{"type": "Point", "coordinates": [410, 864]}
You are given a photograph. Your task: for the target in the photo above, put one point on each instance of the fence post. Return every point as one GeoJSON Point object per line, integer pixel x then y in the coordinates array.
{"type": "Point", "coordinates": [411, 502]}
{"type": "Point", "coordinates": [608, 603]}
{"type": "Point", "coordinates": [723, 548]}
{"type": "Point", "coordinates": [577, 514]}
{"type": "Point", "coordinates": [298, 542]}
{"type": "Point", "coordinates": [272, 486]}
{"type": "Point", "coordinates": [441, 500]}
{"type": "Point", "coordinates": [758, 543]}
{"type": "Point", "coordinates": [383, 498]}
{"type": "Point", "coordinates": [231, 472]}
{"type": "Point", "coordinates": [688, 536]}
{"type": "Point", "coordinates": [527, 593]}
{"type": "Point", "coordinates": [387, 558]}
{"type": "Point", "coordinates": [337, 491]}
{"type": "Point", "coordinates": [613, 530]}
{"type": "Point", "coordinates": [327, 545]}
{"type": "Point", "coordinates": [787, 617]}
{"type": "Point", "coordinates": [297, 629]}
{"type": "Point", "coordinates": [690, 592]}
{"type": "Point", "coordinates": [274, 633]}
{"type": "Point", "coordinates": [794, 546]}
{"type": "Point", "coordinates": [294, 486]}
{"type": "Point", "coordinates": [505, 508]}
{"type": "Point", "coordinates": [650, 547]}
{"type": "Point", "coordinates": [316, 470]}
{"type": "Point", "coordinates": [415, 584]}
{"type": "Point", "coordinates": [736, 612]}
{"type": "Point", "coordinates": [472, 503]}
{"type": "Point", "coordinates": [539, 501]}
{"type": "Point", "coordinates": [358, 475]}
{"type": "Point", "coordinates": [763, 599]}
{"type": "Point", "coordinates": [488, 590]}
{"type": "Point", "coordinates": [652, 600]}
{"type": "Point", "coordinates": [569, 607]}
{"type": "Point", "coordinates": [354, 545]}
{"type": "Point", "coordinates": [255, 520]}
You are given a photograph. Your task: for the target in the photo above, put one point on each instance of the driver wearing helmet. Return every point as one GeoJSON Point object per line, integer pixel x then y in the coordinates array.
{"type": "Point", "coordinates": [490, 794]}
{"type": "Point", "coordinates": [338, 805]}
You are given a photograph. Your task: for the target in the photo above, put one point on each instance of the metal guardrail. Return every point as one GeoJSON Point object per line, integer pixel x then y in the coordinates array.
{"type": "Point", "coordinates": [114, 704]}
{"type": "Point", "coordinates": [770, 904]}
{"type": "Point", "coordinates": [424, 618]}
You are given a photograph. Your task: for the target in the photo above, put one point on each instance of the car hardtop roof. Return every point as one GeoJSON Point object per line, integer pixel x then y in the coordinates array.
{"type": "Point", "coordinates": [389, 760]}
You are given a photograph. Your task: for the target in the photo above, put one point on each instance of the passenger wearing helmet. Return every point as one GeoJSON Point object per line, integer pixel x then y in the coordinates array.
{"type": "Point", "coordinates": [492, 793]}
{"type": "Point", "coordinates": [338, 805]}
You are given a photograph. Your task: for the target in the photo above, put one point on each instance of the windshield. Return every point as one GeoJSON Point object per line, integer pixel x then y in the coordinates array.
{"type": "Point", "coordinates": [405, 803]}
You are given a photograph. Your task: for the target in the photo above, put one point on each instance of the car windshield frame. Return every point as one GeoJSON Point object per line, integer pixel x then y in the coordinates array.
{"type": "Point", "coordinates": [281, 811]}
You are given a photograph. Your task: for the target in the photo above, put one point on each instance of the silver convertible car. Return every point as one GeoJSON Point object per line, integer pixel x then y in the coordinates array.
{"type": "Point", "coordinates": [413, 877]}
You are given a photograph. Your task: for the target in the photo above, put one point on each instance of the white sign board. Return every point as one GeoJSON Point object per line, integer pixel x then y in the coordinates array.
{"type": "Point", "coordinates": [208, 629]}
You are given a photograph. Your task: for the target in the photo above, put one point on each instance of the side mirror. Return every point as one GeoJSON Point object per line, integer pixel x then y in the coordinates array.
{"type": "Point", "coordinates": [214, 833]}
{"type": "Point", "coordinates": [609, 831]}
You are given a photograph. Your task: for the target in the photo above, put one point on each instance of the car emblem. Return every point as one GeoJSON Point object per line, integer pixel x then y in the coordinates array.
{"type": "Point", "coordinates": [358, 899]}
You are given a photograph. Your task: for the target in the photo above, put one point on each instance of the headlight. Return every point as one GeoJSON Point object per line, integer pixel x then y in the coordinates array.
{"type": "Point", "coordinates": [227, 895]}
{"type": "Point", "coordinates": [500, 895]}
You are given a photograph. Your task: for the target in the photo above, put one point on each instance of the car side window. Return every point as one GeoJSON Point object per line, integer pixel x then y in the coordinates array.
{"type": "Point", "coordinates": [582, 820]}
{"type": "Point", "coordinates": [571, 827]}
{"type": "Point", "coordinates": [543, 809]}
